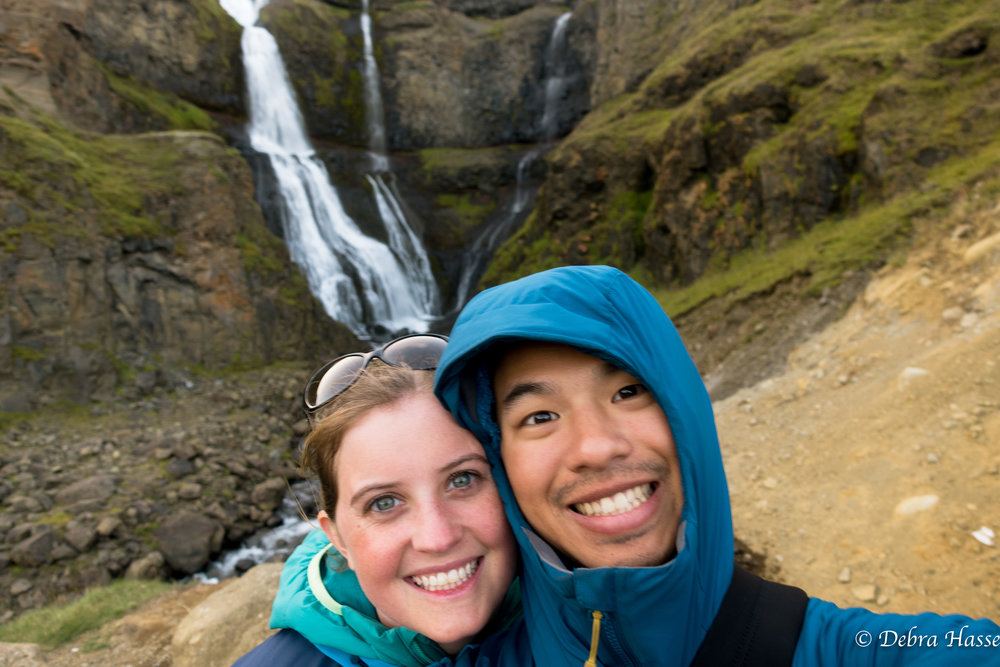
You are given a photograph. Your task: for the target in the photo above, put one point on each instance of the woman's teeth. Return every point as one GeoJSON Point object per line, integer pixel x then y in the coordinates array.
{"type": "Point", "coordinates": [443, 581]}
{"type": "Point", "coordinates": [621, 502]}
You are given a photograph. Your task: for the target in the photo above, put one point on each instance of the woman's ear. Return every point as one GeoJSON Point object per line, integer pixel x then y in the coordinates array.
{"type": "Point", "coordinates": [330, 528]}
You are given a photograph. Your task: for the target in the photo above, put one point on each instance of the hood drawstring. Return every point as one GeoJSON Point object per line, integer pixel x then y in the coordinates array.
{"type": "Point", "coordinates": [595, 636]}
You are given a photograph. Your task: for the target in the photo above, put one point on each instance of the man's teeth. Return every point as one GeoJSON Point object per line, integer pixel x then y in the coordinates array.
{"type": "Point", "coordinates": [621, 502]}
{"type": "Point", "coordinates": [443, 581]}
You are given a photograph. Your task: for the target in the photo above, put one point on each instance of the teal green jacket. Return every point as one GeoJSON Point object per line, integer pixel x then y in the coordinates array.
{"type": "Point", "coordinates": [328, 608]}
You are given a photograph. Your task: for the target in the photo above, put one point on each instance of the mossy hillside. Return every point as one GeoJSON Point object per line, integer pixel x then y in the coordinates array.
{"type": "Point", "coordinates": [80, 184]}
{"type": "Point", "coordinates": [846, 73]}
{"type": "Point", "coordinates": [213, 19]}
{"type": "Point", "coordinates": [172, 112]}
{"type": "Point", "coordinates": [834, 248]}
{"type": "Point", "coordinates": [464, 187]}
{"type": "Point", "coordinates": [92, 186]}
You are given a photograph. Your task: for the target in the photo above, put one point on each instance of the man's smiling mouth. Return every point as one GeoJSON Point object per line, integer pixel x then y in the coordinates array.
{"type": "Point", "coordinates": [619, 503]}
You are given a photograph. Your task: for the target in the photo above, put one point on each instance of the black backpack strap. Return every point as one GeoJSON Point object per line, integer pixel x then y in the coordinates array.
{"type": "Point", "coordinates": [758, 624]}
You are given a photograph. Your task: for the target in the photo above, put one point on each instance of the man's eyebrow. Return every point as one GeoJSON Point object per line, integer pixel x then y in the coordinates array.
{"type": "Point", "coordinates": [522, 389]}
{"type": "Point", "coordinates": [607, 369]}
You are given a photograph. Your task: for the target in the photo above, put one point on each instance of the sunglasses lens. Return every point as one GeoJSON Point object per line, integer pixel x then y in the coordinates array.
{"type": "Point", "coordinates": [421, 353]}
{"type": "Point", "coordinates": [327, 383]}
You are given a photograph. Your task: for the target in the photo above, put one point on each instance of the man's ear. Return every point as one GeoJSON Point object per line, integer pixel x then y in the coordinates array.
{"type": "Point", "coordinates": [330, 528]}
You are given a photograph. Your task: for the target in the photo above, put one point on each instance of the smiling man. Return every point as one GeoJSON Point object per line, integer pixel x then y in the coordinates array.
{"type": "Point", "coordinates": [604, 448]}
{"type": "Point", "coordinates": [590, 456]}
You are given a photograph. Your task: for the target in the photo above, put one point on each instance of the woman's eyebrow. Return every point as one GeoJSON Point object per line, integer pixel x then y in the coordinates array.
{"type": "Point", "coordinates": [365, 490]}
{"type": "Point", "coordinates": [471, 456]}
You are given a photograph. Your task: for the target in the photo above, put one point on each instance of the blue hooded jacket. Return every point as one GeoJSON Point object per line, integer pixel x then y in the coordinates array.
{"type": "Point", "coordinates": [651, 615]}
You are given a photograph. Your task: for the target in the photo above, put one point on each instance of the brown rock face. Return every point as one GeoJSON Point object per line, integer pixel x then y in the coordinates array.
{"type": "Point", "coordinates": [121, 66]}
{"type": "Point", "coordinates": [185, 274]}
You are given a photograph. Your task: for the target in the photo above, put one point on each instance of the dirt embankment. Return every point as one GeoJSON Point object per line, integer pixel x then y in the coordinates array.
{"type": "Point", "coordinates": [867, 470]}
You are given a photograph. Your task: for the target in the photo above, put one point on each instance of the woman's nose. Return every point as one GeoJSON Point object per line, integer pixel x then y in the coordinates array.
{"type": "Point", "coordinates": [436, 529]}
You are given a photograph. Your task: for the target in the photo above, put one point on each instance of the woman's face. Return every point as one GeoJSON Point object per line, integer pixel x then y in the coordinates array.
{"type": "Point", "coordinates": [419, 520]}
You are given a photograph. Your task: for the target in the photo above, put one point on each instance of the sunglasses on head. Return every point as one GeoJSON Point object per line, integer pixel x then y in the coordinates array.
{"type": "Point", "coordinates": [421, 352]}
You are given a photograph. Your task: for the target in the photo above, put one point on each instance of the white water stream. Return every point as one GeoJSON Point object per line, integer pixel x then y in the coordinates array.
{"type": "Point", "coordinates": [360, 281]}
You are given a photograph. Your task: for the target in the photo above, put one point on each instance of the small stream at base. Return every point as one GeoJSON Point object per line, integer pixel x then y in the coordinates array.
{"type": "Point", "coordinates": [269, 543]}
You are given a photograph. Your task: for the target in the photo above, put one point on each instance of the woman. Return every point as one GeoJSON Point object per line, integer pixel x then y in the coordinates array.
{"type": "Point", "coordinates": [415, 558]}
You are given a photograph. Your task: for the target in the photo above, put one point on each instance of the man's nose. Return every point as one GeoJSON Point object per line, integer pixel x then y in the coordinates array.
{"type": "Point", "coordinates": [436, 529]}
{"type": "Point", "coordinates": [596, 441]}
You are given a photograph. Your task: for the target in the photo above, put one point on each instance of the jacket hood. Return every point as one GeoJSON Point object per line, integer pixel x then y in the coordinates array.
{"type": "Point", "coordinates": [652, 615]}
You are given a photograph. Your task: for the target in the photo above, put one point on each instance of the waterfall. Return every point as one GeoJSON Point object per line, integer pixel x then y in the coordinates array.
{"type": "Point", "coordinates": [556, 76]}
{"type": "Point", "coordinates": [362, 282]}
{"type": "Point", "coordinates": [403, 241]}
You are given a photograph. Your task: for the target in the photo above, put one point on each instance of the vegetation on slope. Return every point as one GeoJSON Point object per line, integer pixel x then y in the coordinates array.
{"type": "Point", "coordinates": [775, 140]}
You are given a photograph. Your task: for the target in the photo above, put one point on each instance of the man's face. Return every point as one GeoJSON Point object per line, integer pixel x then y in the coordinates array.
{"type": "Point", "coordinates": [590, 456]}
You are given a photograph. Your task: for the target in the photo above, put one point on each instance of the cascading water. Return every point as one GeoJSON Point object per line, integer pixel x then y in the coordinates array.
{"type": "Point", "coordinates": [360, 281]}
{"type": "Point", "coordinates": [403, 241]}
{"type": "Point", "coordinates": [556, 76]}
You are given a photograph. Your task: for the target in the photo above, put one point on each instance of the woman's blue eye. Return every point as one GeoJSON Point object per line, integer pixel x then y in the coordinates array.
{"type": "Point", "coordinates": [461, 480]}
{"type": "Point", "coordinates": [383, 503]}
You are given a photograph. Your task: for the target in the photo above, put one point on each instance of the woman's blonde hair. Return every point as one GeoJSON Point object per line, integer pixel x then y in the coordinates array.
{"type": "Point", "coordinates": [378, 385]}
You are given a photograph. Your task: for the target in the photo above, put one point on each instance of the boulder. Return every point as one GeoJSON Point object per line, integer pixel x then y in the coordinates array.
{"type": "Point", "coordinates": [268, 494]}
{"type": "Point", "coordinates": [21, 655]}
{"type": "Point", "coordinates": [150, 566]}
{"type": "Point", "coordinates": [228, 623]}
{"type": "Point", "coordinates": [96, 490]}
{"type": "Point", "coordinates": [35, 550]}
{"type": "Point", "coordinates": [187, 540]}
{"type": "Point", "coordinates": [79, 536]}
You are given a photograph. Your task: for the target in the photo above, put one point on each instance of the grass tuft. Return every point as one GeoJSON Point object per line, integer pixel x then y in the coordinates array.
{"type": "Point", "coordinates": [54, 625]}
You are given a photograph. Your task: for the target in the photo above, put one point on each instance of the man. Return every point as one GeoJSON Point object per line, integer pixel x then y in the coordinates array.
{"type": "Point", "coordinates": [604, 447]}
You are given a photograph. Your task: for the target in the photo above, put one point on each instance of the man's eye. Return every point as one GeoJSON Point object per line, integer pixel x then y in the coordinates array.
{"type": "Point", "coordinates": [383, 503]}
{"type": "Point", "coordinates": [628, 392]}
{"type": "Point", "coordinates": [540, 417]}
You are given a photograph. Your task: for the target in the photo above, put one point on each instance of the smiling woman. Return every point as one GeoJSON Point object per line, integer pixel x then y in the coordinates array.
{"type": "Point", "coordinates": [415, 560]}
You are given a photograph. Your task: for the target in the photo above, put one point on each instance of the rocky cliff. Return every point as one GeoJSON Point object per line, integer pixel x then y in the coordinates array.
{"type": "Point", "coordinates": [125, 255]}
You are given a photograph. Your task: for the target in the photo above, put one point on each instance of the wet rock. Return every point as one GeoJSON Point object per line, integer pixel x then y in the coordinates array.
{"type": "Point", "coordinates": [268, 494]}
{"type": "Point", "coordinates": [188, 540]}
